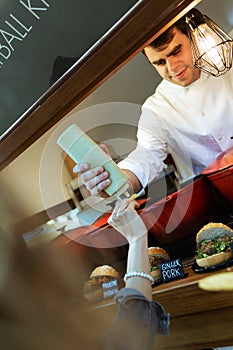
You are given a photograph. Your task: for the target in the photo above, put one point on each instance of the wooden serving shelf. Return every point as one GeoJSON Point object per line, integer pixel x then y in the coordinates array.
{"type": "Point", "coordinates": [199, 319]}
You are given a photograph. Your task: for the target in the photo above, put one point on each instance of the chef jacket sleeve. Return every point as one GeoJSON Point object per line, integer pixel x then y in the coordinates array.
{"type": "Point", "coordinates": [146, 161]}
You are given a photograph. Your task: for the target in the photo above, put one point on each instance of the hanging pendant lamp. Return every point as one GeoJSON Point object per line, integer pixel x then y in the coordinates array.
{"type": "Point", "coordinates": [212, 48]}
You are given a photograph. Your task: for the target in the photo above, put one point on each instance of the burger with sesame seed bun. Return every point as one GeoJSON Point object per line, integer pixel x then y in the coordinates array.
{"type": "Point", "coordinates": [157, 256]}
{"type": "Point", "coordinates": [93, 288]}
{"type": "Point", "coordinates": [214, 244]}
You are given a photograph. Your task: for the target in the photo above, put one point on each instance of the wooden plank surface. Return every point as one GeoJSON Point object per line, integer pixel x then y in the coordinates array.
{"type": "Point", "coordinates": [199, 319]}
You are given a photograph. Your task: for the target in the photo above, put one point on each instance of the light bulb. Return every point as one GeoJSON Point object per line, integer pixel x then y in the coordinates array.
{"type": "Point", "coordinates": [211, 46]}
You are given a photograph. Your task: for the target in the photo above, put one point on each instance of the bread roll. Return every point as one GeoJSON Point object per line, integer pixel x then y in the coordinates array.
{"type": "Point", "coordinates": [220, 282]}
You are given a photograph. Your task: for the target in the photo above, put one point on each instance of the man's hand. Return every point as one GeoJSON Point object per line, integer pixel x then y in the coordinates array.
{"type": "Point", "coordinates": [97, 179]}
{"type": "Point", "coordinates": [94, 179]}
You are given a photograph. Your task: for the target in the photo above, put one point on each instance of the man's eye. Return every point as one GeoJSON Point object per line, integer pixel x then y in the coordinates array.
{"type": "Point", "coordinates": [160, 63]}
{"type": "Point", "coordinates": [176, 52]}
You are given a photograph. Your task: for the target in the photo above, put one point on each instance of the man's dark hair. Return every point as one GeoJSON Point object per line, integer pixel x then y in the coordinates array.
{"type": "Point", "coordinates": [167, 36]}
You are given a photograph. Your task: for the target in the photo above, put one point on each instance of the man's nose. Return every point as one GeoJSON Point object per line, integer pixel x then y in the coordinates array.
{"type": "Point", "coordinates": [171, 64]}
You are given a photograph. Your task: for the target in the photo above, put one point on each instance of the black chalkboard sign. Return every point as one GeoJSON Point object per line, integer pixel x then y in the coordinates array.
{"type": "Point", "coordinates": [110, 288]}
{"type": "Point", "coordinates": [172, 270]}
{"type": "Point", "coordinates": [36, 35]}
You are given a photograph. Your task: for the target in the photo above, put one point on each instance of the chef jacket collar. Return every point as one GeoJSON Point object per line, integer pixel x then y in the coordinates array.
{"type": "Point", "coordinates": [195, 85]}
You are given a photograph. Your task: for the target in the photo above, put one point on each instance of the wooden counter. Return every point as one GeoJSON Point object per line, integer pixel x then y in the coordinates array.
{"type": "Point", "coordinates": [199, 319]}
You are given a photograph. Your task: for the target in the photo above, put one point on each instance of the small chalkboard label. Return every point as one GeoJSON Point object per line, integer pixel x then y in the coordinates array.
{"type": "Point", "coordinates": [110, 288]}
{"type": "Point", "coordinates": [171, 270]}
{"type": "Point", "coordinates": [231, 245]}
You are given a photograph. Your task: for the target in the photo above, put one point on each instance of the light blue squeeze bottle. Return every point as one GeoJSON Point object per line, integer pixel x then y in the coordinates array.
{"type": "Point", "coordinates": [82, 149]}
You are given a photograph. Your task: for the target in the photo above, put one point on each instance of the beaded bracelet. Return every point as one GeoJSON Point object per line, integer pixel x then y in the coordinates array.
{"type": "Point", "coordinates": [139, 274]}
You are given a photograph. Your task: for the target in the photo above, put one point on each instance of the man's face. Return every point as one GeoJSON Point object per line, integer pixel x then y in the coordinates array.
{"type": "Point", "coordinates": [173, 61]}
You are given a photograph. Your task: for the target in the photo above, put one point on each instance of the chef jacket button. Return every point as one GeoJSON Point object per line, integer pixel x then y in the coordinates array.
{"type": "Point", "coordinates": [219, 138]}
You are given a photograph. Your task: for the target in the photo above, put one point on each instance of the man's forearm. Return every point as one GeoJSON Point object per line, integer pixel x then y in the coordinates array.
{"type": "Point", "coordinates": [134, 182]}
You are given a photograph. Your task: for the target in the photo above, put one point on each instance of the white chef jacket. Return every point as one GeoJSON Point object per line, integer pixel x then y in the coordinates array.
{"type": "Point", "coordinates": [194, 122]}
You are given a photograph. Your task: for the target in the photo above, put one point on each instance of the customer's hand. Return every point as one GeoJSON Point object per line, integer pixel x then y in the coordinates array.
{"type": "Point", "coordinates": [127, 221]}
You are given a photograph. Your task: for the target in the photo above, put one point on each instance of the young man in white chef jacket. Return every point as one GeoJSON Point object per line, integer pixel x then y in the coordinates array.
{"type": "Point", "coordinates": [190, 113]}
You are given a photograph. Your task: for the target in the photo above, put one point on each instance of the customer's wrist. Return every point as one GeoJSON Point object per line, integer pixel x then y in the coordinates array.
{"type": "Point", "coordinates": [141, 239]}
{"type": "Point", "coordinates": [139, 274]}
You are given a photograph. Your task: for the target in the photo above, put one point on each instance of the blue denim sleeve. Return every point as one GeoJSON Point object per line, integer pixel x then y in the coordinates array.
{"type": "Point", "coordinates": [136, 323]}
